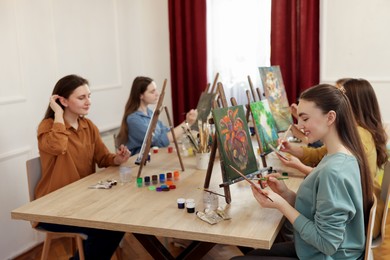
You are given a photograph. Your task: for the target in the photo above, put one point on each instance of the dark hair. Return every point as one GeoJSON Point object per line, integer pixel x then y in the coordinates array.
{"type": "Point", "coordinates": [367, 114]}
{"type": "Point", "coordinates": [140, 85]}
{"type": "Point", "coordinates": [64, 88]}
{"type": "Point", "coordinates": [327, 97]}
{"type": "Point", "coordinates": [340, 82]}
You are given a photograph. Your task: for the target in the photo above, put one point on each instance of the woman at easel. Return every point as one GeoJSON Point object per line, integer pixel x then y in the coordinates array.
{"type": "Point", "coordinates": [137, 117]}
{"type": "Point", "coordinates": [330, 210]}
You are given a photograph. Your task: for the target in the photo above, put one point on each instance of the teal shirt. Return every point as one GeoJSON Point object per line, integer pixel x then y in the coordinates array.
{"type": "Point", "coordinates": [331, 223]}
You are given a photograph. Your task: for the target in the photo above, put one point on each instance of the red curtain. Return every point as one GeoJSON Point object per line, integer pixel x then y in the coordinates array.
{"type": "Point", "coordinates": [188, 47]}
{"type": "Point", "coordinates": [295, 43]}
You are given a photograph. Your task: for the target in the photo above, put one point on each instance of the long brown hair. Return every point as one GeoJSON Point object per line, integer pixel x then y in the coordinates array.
{"type": "Point", "coordinates": [140, 85]}
{"type": "Point", "coordinates": [327, 98]}
{"type": "Point", "coordinates": [367, 114]}
{"type": "Point", "coordinates": [64, 88]}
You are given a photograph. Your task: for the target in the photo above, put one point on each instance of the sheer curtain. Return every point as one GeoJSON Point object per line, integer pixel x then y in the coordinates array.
{"type": "Point", "coordinates": [238, 42]}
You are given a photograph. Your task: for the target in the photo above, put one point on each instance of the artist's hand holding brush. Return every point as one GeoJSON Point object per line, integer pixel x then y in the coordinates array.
{"type": "Point", "coordinates": [278, 192]}
{"type": "Point", "coordinates": [287, 147]}
{"type": "Point", "coordinates": [295, 163]}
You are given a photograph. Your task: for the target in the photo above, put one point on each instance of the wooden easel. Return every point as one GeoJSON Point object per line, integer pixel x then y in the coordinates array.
{"type": "Point", "coordinates": [145, 148]}
{"type": "Point", "coordinates": [223, 103]}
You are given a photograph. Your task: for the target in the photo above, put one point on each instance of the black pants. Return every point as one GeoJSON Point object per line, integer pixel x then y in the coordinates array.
{"type": "Point", "coordinates": [279, 251]}
{"type": "Point", "coordinates": [100, 243]}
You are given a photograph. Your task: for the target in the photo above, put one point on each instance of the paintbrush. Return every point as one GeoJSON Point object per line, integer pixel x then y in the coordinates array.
{"type": "Point", "coordinates": [211, 192]}
{"type": "Point", "coordinates": [250, 182]}
{"type": "Point", "coordinates": [266, 178]}
{"type": "Point", "coordinates": [284, 137]}
{"type": "Point", "coordinates": [191, 138]}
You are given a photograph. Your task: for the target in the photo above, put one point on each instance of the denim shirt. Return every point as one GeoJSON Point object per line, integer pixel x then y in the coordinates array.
{"type": "Point", "coordinates": [138, 123]}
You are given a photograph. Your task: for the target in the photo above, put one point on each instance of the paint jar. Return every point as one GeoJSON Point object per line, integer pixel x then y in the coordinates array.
{"type": "Point", "coordinates": [190, 207]}
{"type": "Point", "coordinates": [170, 149]}
{"type": "Point", "coordinates": [154, 179]}
{"type": "Point", "coordinates": [147, 180]}
{"type": "Point", "coordinates": [210, 200]}
{"type": "Point", "coordinates": [176, 175]}
{"type": "Point", "coordinates": [139, 182]}
{"type": "Point", "coordinates": [155, 149]}
{"type": "Point", "coordinates": [124, 174]}
{"type": "Point", "coordinates": [169, 176]}
{"type": "Point", "coordinates": [202, 161]}
{"type": "Point", "coordinates": [181, 203]}
{"type": "Point", "coordinates": [162, 177]}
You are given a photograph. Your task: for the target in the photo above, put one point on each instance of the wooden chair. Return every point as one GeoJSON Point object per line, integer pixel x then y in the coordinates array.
{"type": "Point", "coordinates": [385, 197]}
{"type": "Point", "coordinates": [368, 251]}
{"type": "Point", "coordinates": [33, 176]}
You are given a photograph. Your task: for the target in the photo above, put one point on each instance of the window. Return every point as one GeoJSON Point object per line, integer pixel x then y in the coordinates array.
{"type": "Point", "coordinates": [238, 42]}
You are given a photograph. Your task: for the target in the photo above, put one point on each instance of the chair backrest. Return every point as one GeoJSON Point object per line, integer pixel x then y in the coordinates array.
{"type": "Point", "coordinates": [370, 228]}
{"type": "Point", "coordinates": [34, 173]}
{"type": "Point", "coordinates": [385, 197]}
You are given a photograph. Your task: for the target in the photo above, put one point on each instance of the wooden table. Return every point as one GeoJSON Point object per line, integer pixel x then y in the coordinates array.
{"type": "Point", "coordinates": [147, 214]}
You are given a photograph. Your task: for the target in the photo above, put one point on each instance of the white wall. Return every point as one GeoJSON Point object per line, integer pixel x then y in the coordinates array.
{"type": "Point", "coordinates": [109, 42]}
{"type": "Point", "coordinates": [355, 42]}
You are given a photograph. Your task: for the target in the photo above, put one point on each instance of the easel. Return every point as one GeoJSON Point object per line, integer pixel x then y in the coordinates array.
{"type": "Point", "coordinates": [223, 103]}
{"type": "Point", "coordinates": [145, 148]}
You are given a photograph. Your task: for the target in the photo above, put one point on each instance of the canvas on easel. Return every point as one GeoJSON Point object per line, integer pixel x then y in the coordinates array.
{"type": "Point", "coordinates": [233, 142]}
{"type": "Point", "coordinates": [205, 103]}
{"type": "Point", "coordinates": [275, 93]}
{"type": "Point", "coordinates": [145, 148]}
{"type": "Point", "coordinates": [265, 125]}
{"type": "Point", "coordinates": [204, 107]}
{"type": "Point", "coordinates": [235, 145]}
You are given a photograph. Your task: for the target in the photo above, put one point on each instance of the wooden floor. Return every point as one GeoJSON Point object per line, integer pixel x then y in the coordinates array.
{"type": "Point", "coordinates": [132, 249]}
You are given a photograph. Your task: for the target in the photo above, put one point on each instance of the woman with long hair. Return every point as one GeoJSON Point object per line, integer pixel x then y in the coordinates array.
{"type": "Point", "coordinates": [367, 114]}
{"type": "Point", "coordinates": [70, 146]}
{"type": "Point", "coordinates": [137, 116]}
{"type": "Point", "coordinates": [330, 210]}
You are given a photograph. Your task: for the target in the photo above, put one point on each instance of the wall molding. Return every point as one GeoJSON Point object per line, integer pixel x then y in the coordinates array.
{"type": "Point", "coordinates": [109, 128]}
{"type": "Point", "coordinates": [12, 100]}
{"type": "Point", "coordinates": [373, 80]}
{"type": "Point", "coordinates": [14, 153]}
{"type": "Point", "coordinates": [106, 87]}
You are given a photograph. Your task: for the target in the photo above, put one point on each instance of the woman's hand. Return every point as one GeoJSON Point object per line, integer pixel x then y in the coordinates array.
{"type": "Point", "coordinates": [54, 105]}
{"type": "Point", "coordinates": [58, 111]}
{"type": "Point", "coordinates": [267, 198]}
{"type": "Point", "coordinates": [277, 186]}
{"type": "Point", "coordinates": [286, 146]}
{"type": "Point", "coordinates": [122, 155]}
{"type": "Point", "coordinates": [295, 163]}
{"type": "Point", "coordinates": [191, 116]}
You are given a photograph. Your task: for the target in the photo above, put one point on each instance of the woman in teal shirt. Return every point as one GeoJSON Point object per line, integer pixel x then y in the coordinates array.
{"type": "Point", "coordinates": [330, 211]}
